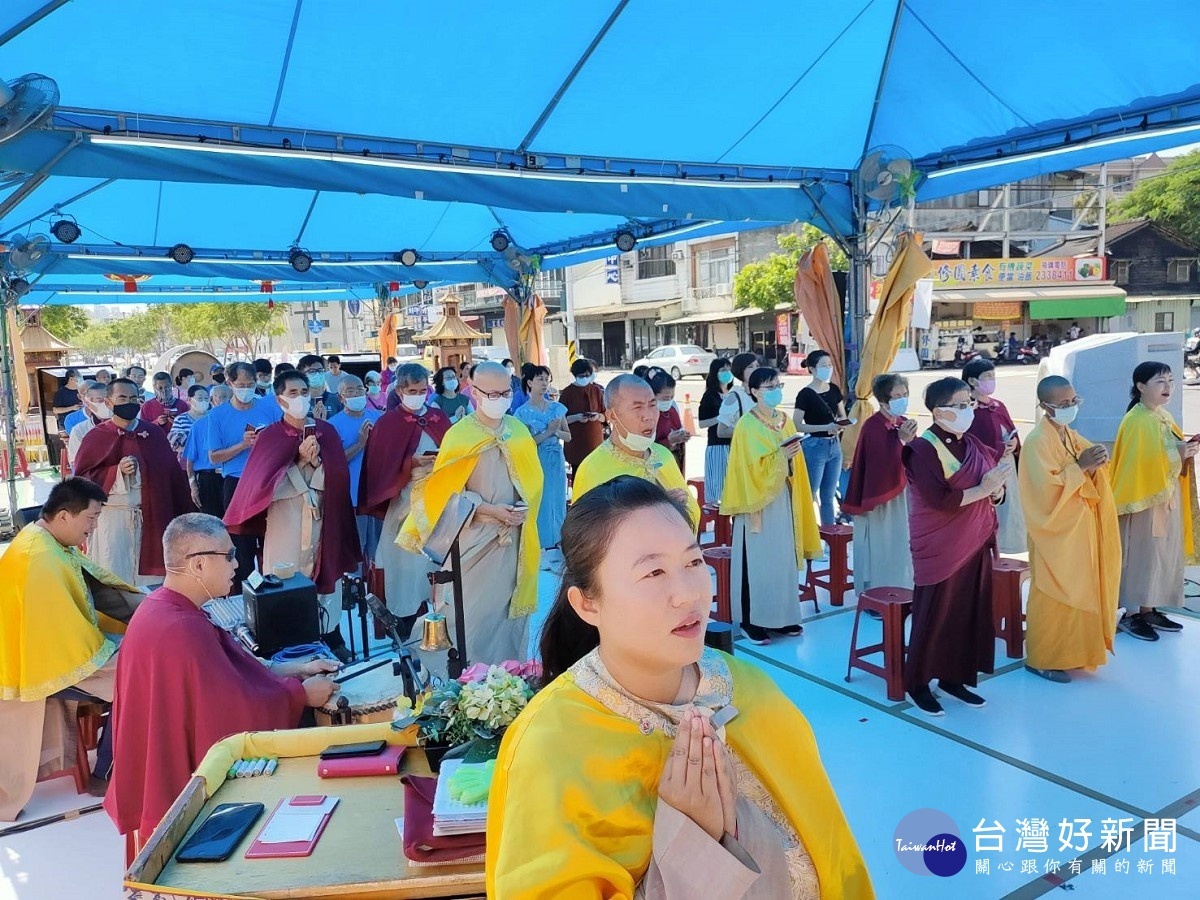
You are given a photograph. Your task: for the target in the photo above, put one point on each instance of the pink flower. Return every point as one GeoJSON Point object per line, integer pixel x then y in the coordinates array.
{"type": "Point", "coordinates": [477, 672]}
{"type": "Point", "coordinates": [512, 667]}
{"type": "Point", "coordinates": [531, 670]}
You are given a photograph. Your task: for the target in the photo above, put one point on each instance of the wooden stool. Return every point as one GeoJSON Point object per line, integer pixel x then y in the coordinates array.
{"type": "Point", "coordinates": [894, 605]}
{"type": "Point", "coordinates": [719, 558]}
{"type": "Point", "coordinates": [1009, 621]}
{"type": "Point", "coordinates": [838, 578]}
{"type": "Point", "coordinates": [89, 717]}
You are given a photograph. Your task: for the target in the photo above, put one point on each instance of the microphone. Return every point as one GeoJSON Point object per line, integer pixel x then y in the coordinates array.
{"type": "Point", "coordinates": [386, 618]}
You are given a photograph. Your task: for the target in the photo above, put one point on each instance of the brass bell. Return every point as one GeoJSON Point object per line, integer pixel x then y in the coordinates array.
{"type": "Point", "coordinates": [435, 633]}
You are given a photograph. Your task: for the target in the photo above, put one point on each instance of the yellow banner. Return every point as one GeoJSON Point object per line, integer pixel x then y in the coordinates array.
{"type": "Point", "coordinates": [1042, 270]}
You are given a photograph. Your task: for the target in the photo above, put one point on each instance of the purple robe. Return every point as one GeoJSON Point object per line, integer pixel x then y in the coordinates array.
{"type": "Point", "coordinates": [953, 546]}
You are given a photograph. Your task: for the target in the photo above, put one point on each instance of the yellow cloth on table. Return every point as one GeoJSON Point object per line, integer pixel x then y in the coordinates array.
{"type": "Point", "coordinates": [592, 777]}
{"type": "Point", "coordinates": [758, 471]}
{"type": "Point", "coordinates": [51, 635]}
{"type": "Point", "coordinates": [1144, 468]}
{"type": "Point", "coordinates": [1074, 552]}
{"type": "Point", "coordinates": [608, 461]}
{"type": "Point", "coordinates": [460, 449]}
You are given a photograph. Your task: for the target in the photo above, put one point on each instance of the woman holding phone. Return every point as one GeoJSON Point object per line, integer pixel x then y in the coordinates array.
{"type": "Point", "coordinates": [774, 528]}
{"type": "Point", "coordinates": [994, 427]}
{"type": "Point", "coordinates": [821, 416]}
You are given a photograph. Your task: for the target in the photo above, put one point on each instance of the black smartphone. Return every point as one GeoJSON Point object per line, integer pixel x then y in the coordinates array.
{"type": "Point", "coordinates": [342, 751]}
{"type": "Point", "coordinates": [218, 837]}
{"type": "Point", "coordinates": [310, 431]}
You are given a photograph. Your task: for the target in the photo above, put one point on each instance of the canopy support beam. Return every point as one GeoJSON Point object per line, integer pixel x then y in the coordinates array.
{"type": "Point", "coordinates": [883, 74]}
{"type": "Point", "coordinates": [32, 19]}
{"type": "Point", "coordinates": [572, 75]}
{"type": "Point", "coordinates": [58, 206]}
{"type": "Point", "coordinates": [34, 181]}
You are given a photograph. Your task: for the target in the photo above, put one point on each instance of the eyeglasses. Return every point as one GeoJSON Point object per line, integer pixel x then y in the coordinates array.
{"type": "Point", "coordinates": [229, 554]}
{"type": "Point", "coordinates": [497, 395]}
{"type": "Point", "coordinates": [970, 404]}
{"type": "Point", "coordinates": [1078, 401]}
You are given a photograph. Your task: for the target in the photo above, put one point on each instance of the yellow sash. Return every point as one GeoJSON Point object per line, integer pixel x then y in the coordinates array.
{"type": "Point", "coordinates": [607, 462]}
{"type": "Point", "coordinates": [758, 471]}
{"type": "Point", "coordinates": [461, 447]}
{"type": "Point", "coordinates": [51, 635]}
{"type": "Point", "coordinates": [1145, 468]}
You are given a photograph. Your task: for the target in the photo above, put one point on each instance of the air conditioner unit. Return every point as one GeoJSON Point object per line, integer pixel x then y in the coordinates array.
{"type": "Point", "coordinates": [676, 254]}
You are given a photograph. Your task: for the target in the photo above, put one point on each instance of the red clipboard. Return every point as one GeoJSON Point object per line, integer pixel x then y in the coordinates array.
{"type": "Point", "coordinates": [259, 850]}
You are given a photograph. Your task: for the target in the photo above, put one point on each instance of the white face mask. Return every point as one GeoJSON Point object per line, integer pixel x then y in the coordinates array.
{"type": "Point", "coordinates": [101, 411]}
{"type": "Point", "coordinates": [199, 406]}
{"type": "Point", "coordinates": [664, 406]}
{"type": "Point", "coordinates": [898, 406]}
{"type": "Point", "coordinates": [1064, 416]}
{"type": "Point", "coordinates": [296, 407]}
{"type": "Point", "coordinates": [450, 384]}
{"type": "Point", "coordinates": [494, 409]}
{"type": "Point", "coordinates": [413, 403]}
{"type": "Point", "coordinates": [638, 443]}
{"type": "Point", "coordinates": [961, 423]}
{"type": "Point", "coordinates": [244, 394]}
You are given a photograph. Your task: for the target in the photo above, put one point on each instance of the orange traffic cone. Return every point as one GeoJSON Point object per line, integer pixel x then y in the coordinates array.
{"type": "Point", "coordinates": [689, 421]}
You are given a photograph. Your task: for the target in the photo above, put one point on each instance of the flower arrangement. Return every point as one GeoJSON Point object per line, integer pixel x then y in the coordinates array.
{"type": "Point", "coordinates": [478, 706]}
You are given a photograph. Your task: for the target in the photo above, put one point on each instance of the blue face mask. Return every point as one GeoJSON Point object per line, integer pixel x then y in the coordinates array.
{"type": "Point", "coordinates": [772, 396]}
{"type": "Point", "coordinates": [725, 376]}
{"type": "Point", "coordinates": [898, 406]}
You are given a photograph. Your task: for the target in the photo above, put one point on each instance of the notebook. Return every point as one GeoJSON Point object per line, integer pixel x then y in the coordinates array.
{"type": "Point", "coordinates": [294, 827]}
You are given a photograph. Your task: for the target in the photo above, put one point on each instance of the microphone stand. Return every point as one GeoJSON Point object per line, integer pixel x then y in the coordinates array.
{"type": "Point", "coordinates": [406, 667]}
{"type": "Point", "coordinates": [354, 596]}
{"type": "Point", "coordinates": [456, 657]}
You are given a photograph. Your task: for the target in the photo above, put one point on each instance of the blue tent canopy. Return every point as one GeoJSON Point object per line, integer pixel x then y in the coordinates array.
{"type": "Point", "coordinates": [383, 125]}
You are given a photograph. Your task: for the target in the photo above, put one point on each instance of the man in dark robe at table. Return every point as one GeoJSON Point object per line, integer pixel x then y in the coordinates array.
{"type": "Point", "coordinates": [584, 400]}
{"type": "Point", "coordinates": [953, 482]}
{"type": "Point", "coordinates": [295, 493]}
{"type": "Point", "coordinates": [183, 683]}
{"type": "Point", "coordinates": [400, 453]}
{"type": "Point", "coordinates": [134, 464]}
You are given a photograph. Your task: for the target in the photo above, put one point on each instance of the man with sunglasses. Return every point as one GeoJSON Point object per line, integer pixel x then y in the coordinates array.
{"type": "Point", "coordinates": [1074, 541]}
{"type": "Point", "coordinates": [183, 684]}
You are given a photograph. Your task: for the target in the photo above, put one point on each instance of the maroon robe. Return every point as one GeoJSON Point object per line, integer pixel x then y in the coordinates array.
{"type": "Point", "coordinates": [585, 436]}
{"type": "Point", "coordinates": [667, 422]}
{"type": "Point", "coordinates": [952, 545]}
{"type": "Point", "coordinates": [387, 458]}
{"type": "Point", "coordinates": [153, 408]}
{"type": "Point", "coordinates": [275, 450]}
{"type": "Point", "coordinates": [991, 423]}
{"type": "Point", "coordinates": [182, 685]}
{"type": "Point", "coordinates": [165, 489]}
{"type": "Point", "coordinates": [877, 473]}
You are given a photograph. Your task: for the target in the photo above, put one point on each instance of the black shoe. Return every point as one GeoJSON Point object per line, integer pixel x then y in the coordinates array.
{"type": "Point", "coordinates": [1159, 622]}
{"type": "Point", "coordinates": [924, 700]}
{"type": "Point", "coordinates": [1136, 626]}
{"type": "Point", "coordinates": [1058, 676]}
{"type": "Point", "coordinates": [790, 631]}
{"type": "Point", "coordinates": [754, 634]}
{"type": "Point", "coordinates": [959, 692]}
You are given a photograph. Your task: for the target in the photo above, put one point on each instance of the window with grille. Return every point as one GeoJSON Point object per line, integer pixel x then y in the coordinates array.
{"type": "Point", "coordinates": [1179, 270]}
{"type": "Point", "coordinates": [715, 267]}
{"type": "Point", "coordinates": [1164, 321]}
{"type": "Point", "coordinates": [655, 262]}
{"type": "Point", "coordinates": [1120, 271]}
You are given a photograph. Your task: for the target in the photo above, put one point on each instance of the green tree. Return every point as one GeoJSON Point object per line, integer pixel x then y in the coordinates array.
{"type": "Point", "coordinates": [243, 326]}
{"type": "Point", "coordinates": [65, 322]}
{"type": "Point", "coordinates": [97, 340]}
{"type": "Point", "coordinates": [1171, 198]}
{"type": "Point", "coordinates": [770, 283]}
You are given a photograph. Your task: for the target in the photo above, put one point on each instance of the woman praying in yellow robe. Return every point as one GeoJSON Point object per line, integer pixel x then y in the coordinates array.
{"type": "Point", "coordinates": [650, 766]}
{"type": "Point", "coordinates": [1153, 486]}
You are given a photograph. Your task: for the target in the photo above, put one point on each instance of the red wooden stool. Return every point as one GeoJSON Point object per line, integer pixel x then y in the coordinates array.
{"type": "Point", "coordinates": [698, 484]}
{"type": "Point", "coordinates": [894, 605]}
{"type": "Point", "coordinates": [838, 578]}
{"type": "Point", "coordinates": [719, 558]}
{"type": "Point", "coordinates": [1007, 617]}
{"type": "Point", "coordinates": [89, 717]}
{"type": "Point", "coordinates": [708, 516]}
{"type": "Point", "coordinates": [722, 527]}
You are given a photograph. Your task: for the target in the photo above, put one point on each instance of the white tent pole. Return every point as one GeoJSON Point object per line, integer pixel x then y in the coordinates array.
{"type": "Point", "coordinates": [10, 408]}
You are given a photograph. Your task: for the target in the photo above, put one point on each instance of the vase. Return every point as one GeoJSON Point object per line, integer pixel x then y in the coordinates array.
{"type": "Point", "coordinates": [434, 754]}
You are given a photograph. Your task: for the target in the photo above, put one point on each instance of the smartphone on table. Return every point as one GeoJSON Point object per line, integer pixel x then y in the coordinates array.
{"type": "Point", "coordinates": [344, 751]}
{"type": "Point", "coordinates": [222, 831]}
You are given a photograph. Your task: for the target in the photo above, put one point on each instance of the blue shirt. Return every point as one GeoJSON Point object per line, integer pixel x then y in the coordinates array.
{"type": "Point", "coordinates": [347, 429]}
{"type": "Point", "coordinates": [73, 419]}
{"type": "Point", "coordinates": [196, 449]}
{"type": "Point", "coordinates": [227, 426]}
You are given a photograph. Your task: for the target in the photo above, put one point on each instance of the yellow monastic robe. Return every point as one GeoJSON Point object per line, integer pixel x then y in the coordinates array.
{"type": "Point", "coordinates": [1144, 468]}
{"type": "Point", "coordinates": [51, 635]}
{"type": "Point", "coordinates": [463, 444]}
{"type": "Point", "coordinates": [579, 822]}
{"type": "Point", "coordinates": [1074, 552]}
{"type": "Point", "coordinates": [758, 471]}
{"type": "Point", "coordinates": [608, 461]}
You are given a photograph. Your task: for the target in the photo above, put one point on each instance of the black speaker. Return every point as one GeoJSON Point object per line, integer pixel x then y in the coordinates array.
{"type": "Point", "coordinates": [719, 636]}
{"type": "Point", "coordinates": [27, 515]}
{"type": "Point", "coordinates": [283, 616]}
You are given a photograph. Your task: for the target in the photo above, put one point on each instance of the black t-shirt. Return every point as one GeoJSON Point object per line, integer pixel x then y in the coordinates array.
{"type": "Point", "coordinates": [819, 409]}
{"type": "Point", "coordinates": [63, 398]}
{"type": "Point", "coordinates": [710, 406]}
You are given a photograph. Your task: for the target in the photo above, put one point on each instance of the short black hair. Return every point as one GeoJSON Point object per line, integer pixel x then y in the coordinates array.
{"type": "Point", "coordinates": [112, 385]}
{"type": "Point", "coordinates": [333, 358]}
{"type": "Point", "coordinates": [197, 388]}
{"type": "Point", "coordinates": [582, 367]}
{"type": "Point", "coordinates": [391, 359]}
{"type": "Point", "coordinates": [939, 393]}
{"type": "Point", "coordinates": [234, 368]}
{"type": "Point", "coordinates": [279, 385]}
{"type": "Point", "coordinates": [506, 362]}
{"type": "Point", "coordinates": [262, 366]}
{"type": "Point", "coordinates": [310, 359]}
{"type": "Point", "coordinates": [977, 368]}
{"type": "Point", "coordinates": [661, 381]}
{"type": "Point", "coordinates": [810, 361]}
{"type": "Point", "coordinates": [760, 376]}
{"type": "Point", "coordinates": [739, 363]}
{"type": "Point", "coordinates": [163, 376]}
{"type": "Point", "coordinates": [74, 495]}
{"type": "Point", "coordinates": [71, 373]}
{"type": "Point", "coordinates": [529, 371]}
{"type": "Point", "coordinates": [282, 367]}
{"type": "Point", "coordinates": [129, 370]}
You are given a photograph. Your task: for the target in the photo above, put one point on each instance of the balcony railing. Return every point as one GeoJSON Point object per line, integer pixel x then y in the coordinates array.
{"type": "Point", "coordinates": [710, 292]}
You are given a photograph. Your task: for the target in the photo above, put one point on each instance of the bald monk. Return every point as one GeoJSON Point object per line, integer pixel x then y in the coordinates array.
{"type": "Point", "coordinates": [1074, 541]}
{"type": "Point", "coordinates": [632, 412]}
{"type": "Point", "coordinates": [491, 459]}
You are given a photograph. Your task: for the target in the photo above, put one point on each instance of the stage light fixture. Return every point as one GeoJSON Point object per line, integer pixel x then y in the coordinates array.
{"type": "Point", "coordinates": [182, 254]}
{"type": "Point", "coordinates": [18, 287]}
{"type": "Point", "coordinates": [625, 241]}
{"type": "Point", "coordinates": [407, 257]}
{"type": "Point", "coordinates": [420, 284]}
{"type": "Point", "coordinates": [299, 260]}
{"type": "Point", "coordinates": [66, 231]}
{"type": "Point", "coordinates": [500, 241]}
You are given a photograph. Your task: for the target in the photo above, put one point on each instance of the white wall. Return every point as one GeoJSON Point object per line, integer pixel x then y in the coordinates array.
{"type": "Point", "coordinates": [588, 286]}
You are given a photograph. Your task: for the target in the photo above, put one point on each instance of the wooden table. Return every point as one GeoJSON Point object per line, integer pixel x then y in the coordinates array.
{"type": "Point", "coordinates": [359, 856]}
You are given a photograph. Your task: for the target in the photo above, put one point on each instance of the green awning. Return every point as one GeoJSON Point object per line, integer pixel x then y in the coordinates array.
{"type": "Point", "coordinates": [1077, 308]}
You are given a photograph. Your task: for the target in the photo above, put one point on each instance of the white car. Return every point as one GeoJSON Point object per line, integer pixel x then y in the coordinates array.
{"type": "Point", "coordinates": [679, 360]}
{"type": "Point", "coordinates": [408, 353]}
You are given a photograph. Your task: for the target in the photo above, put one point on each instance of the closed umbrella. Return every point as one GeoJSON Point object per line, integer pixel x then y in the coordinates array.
{"type": "Point", "coordinates": [817, 302]}
{"type": "Point", "coordinates": [533, 346]}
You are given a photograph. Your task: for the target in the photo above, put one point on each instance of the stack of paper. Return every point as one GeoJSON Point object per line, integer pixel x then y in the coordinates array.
{"type": "Point", "coordinates": [291, 824]}
{"type": "Point", "coordinates": [449, 815]}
